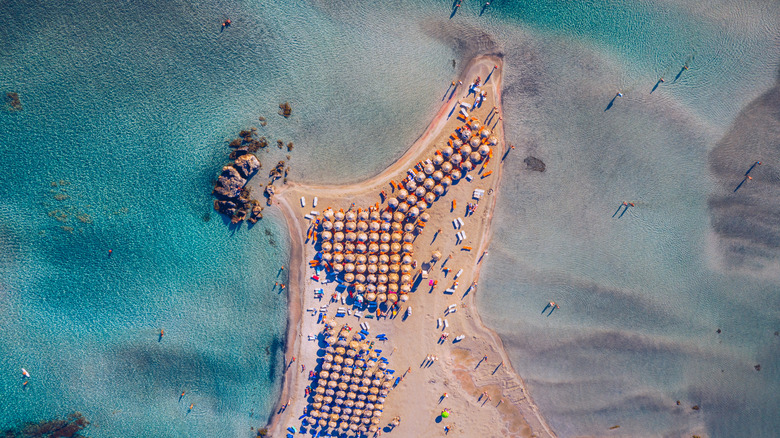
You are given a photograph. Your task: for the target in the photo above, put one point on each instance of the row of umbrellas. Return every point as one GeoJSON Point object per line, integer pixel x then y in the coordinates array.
{"type": "Point", "coordinates": [351, 385]}
{"type": "Point", "coordinates": [373, 250]}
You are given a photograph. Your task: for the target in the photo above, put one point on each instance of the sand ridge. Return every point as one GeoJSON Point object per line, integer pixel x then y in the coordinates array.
{"type": "Point", "coordinates": [460, 371]}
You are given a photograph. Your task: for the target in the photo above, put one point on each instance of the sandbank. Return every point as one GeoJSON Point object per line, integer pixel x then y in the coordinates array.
{"type": "Point", "coordinates": [460, 371]}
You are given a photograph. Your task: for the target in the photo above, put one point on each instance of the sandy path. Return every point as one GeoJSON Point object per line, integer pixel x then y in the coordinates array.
{"type": "Point", "coordinates": [459, 371]}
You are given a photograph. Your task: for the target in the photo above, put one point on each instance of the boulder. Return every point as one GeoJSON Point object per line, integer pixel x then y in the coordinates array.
{"type": "Point", "coordinates": [257, 214]}
{"type": "Point", "coordinates": [238, 216]}
{"type": "Point", "coordinates": [247, 165]}
{"type": "Point", "coordinates": [225, 207]}
{"type": "Point", "coordinates": [229, 184]}
{"type": "Point", "coordinates": [534, 163]}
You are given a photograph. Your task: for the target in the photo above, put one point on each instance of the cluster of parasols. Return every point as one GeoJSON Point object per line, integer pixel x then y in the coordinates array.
{"type": "Point", "coordinates": [352, 384]}
{"type": "Point", "coordinates": [372, 249]}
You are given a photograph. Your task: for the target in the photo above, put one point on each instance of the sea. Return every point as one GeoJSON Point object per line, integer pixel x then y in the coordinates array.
{"type": "Point", "coordinates": [108, 235]}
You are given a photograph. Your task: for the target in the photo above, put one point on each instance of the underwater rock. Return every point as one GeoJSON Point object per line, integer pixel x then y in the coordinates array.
{"type": "Point", "coordinates": [247, 165]}
{"type": "Point", "coordinates": [12, 99]}
{"type": "Point", "coordinates": [534, 163]}
{"type": "Point", "coordinates": [285, 109]}
{"type": "Point", "coordinates": [67, 428]}
{"type": "Point", "coordinates": [229, 183]}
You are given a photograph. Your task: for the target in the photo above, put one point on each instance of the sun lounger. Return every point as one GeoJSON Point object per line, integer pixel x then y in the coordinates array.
{"type": "Point", "coordinates": [314, 213]}
{"type": "Point", "coordinates": [455, 223]}
{"type": "Point", "coordinates": [308, 217]}
{"type": "Point", "coordinates": [464, 113]}
{"type": "Point", "coordinates": [449, 291]}
{"type": "Point", "coordinates": [458, 274]}
{"type": "Point", "coordinates": [459, 338]}
{"type": "Point", "coordinates": [460, 221]}
{"type": "Point", "coordinates": [446, 324]}
{"type": "Point", "coordinates": [469, 177]}
{"type": "Point", "coordinates": [303, 201]}
{"type": "Point", "coordinates": [314, 203]}
{"type": "Point", "coordinates": [438, 322]}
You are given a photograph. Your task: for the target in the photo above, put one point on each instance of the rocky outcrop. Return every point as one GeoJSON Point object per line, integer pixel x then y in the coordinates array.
{"type": "Point", "coordinates": [233, 195]}
{"type": "Point", "coordinates": [247, 165]}
{"type": "Point", "coordinates": [534, 163]}
{"type": "Point", "coordinates": [256, 214]}
{"type": "Point", "coordinates": [230, 183]}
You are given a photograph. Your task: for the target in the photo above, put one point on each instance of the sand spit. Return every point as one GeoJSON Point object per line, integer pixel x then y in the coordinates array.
{"type": "Point", "coordinates": [484, 397]}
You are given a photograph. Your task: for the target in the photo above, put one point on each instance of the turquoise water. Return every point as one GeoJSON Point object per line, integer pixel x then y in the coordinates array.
{"type": "Point", "coordinates": [129, 105]}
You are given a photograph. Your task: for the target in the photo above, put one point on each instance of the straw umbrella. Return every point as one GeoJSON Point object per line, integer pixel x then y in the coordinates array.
{"type": "Point", "coordinates": [474, 142]}
{"type": "Point", "coordinates": [323, 422]}
{"type": "Point", "coordinates": [387, 216]}
{"type": "Point", "coordinates": [428, 169]}
{"type": "Point", "coordinates": [351, 395]}
{"type": "Point", "coordinates": [411, 185]}
{"type": "Point", "coordinates": [420, 176]}
{"type": "Point", "coordinates": [438, 159]}
{"type": "Point", "coordinates": [446, 152]}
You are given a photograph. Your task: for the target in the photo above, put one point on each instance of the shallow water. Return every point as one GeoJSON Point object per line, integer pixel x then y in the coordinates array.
{"type": "Point", "coordinates": [130, 104]}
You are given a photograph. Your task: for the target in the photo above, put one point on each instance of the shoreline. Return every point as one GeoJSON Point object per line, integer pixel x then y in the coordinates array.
{"type": "Point", "coordinates": [511, 385]}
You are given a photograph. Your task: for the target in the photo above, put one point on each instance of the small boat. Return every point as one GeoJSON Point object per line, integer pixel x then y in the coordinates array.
{"type": "Point", "coordinates": [25, 373]}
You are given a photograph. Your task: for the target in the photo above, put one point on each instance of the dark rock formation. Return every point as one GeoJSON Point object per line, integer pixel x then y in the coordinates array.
{"type": "Point", "coordinates": [67, 428]}
{"type": "Point", "coordinates": [269, 193]}
{"type": "Point", "coordinates": [285, 110]}
{"type": "Point", "coordinates": [534, 163]}
{"type": "Point", "coordinates": [247, 165]}
{"type": "Point", "coordinates": [239, 216]}
{"type": "Point", "coordinates": [225, 207]}
{"type": "Point", "coordinates": [257, 213]}
{"type": "Point", "coordinates": [230, 183]}
{"type": "Point", "coordinates": [12, 99]}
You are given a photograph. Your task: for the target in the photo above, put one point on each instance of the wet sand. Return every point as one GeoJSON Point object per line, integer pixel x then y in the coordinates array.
{"type": "Point", "coordinates": [460, 370]}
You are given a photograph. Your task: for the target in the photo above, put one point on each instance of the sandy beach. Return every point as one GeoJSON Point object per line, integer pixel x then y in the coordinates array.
{"type": "Point", "coordinates": [485, 397]}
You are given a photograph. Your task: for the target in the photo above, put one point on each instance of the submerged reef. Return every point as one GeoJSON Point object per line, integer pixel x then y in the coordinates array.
{"type": "Point", "coordinates": [534, 163]}
{"type": "Point", "coordinates": [13, 101]}
{"type": "Point", "coordinates": [70, 427]}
